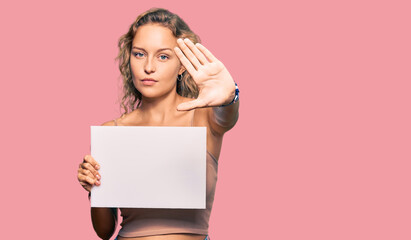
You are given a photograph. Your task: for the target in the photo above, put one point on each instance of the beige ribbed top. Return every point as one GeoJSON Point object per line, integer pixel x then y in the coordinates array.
{"type": "Point", "coordinates": [139, 222]}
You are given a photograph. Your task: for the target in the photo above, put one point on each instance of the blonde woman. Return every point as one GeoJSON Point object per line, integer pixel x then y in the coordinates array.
{"type": "Point", "coordinates": [170, 79]}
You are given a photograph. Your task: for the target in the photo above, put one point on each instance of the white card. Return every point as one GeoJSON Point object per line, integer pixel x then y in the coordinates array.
{"type": "Point", "coordinates": [150, 167]}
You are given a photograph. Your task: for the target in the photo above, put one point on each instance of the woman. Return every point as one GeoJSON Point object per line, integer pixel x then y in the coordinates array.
{"type": "Point", "coordinates": [169, 80]}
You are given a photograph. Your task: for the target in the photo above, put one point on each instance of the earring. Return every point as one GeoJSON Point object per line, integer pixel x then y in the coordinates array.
{"type": "Point", "coordinates": [179, 77]}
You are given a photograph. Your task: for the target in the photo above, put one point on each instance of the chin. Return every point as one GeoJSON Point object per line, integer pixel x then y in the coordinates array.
{"type": "Point", "coordinates": [149, 93]}
{"type": "Point", "coordinates": [153, 91]}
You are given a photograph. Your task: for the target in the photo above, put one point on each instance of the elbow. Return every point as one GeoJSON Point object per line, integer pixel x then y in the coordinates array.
{"type": "Point", "coordinates": [225, 118]}
{"type": "Point", "coordinates": [233, 123]}
{"type": "Point", "coordinates": [104, 233]}
{"type": "Point", "coordinates": [228, 124]}
{"type": "Point", "coordinates": [220, 126]}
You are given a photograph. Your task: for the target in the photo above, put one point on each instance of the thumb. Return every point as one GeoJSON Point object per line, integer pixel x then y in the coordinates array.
{"type": "Point", "coordinates": [191, 105]}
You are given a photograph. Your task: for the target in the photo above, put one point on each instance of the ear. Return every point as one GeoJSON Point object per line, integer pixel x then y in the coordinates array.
{"type": "Point", "coordinates": [182, 70]}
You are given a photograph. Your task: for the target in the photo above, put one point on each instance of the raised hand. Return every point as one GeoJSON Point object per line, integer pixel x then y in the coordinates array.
{"type": "Point", "coordinates": [216, 86]}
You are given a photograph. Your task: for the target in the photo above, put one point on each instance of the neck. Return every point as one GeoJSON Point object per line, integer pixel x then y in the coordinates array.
{"type": "Point", "coordinates": [160, 110]}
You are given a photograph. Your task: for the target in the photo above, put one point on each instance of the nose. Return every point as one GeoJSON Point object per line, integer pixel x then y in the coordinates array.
{"type": "Point", "coordinates": [149, 66]}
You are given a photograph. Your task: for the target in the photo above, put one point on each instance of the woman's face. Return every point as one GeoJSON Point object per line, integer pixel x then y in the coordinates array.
{"type": "Point", "coordinates": [154, 65]}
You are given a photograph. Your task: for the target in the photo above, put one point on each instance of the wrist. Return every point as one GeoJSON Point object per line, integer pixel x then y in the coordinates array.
{"type": "Point", "coordinates": [235, 98]}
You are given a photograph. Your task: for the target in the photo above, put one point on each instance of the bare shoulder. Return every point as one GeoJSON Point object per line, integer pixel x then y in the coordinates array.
{"type": "Point", "coordinates": [125, 119]}
{"type": "Point", "coordinates": [119, 120]}
{"type": "Point", "coordinates": [108, 123]}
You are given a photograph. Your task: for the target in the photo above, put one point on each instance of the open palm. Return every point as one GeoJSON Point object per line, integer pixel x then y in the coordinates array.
{"type": "Point", "coordinates": [216, 86]}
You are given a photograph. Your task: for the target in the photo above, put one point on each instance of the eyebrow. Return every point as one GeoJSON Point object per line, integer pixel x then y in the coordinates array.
{"type": "Point", "coordinates": [159, 50]}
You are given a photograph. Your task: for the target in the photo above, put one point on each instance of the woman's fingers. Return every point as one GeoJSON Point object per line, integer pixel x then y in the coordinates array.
{"type": "Point", "coordinates": [87, 173]}
{"type": "Point", "coordinates": [91, 164]}
{"type": "Point", "coordinates": [86, 179]}
{"type": "Point", "coordinates": [87, 182]}
{"type": "Point", "coordinates": [91, 160]}
{"type": "Point", "coordinates": [200, 56]}
{"type": "Point", "coordinates": [198, 103]}
{"type": "Point", "coordinates": [91, 169]}
{"type": "Point", "coordinates": [188, 53]}
{"type": "Point", "coordinates": [186, 63]}
{"type": "Point", "coordinates": [207, 53]}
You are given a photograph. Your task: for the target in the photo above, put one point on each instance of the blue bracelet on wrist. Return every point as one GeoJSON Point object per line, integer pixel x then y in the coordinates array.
{"type": "Point", "coordinates": [235, 97]}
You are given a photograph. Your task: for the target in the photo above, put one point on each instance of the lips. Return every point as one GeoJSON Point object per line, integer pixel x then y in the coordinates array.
{"type": "Point", "coordinates": [148, 81]}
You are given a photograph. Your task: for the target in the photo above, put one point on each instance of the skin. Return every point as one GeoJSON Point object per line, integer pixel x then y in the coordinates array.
{"type": "Point", "coordinates": [158, 55]}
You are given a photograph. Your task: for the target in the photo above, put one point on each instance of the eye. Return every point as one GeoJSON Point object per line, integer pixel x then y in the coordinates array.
{"type": "Point", "coordinates": [163, 57]}
{"type": "Point", "coordinates": [138, 54]}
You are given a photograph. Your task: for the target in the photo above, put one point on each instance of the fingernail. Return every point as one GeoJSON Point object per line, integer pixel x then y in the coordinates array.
{"type": "Point", "coordinates": [97, 166]}
{"type": "Point", "coordinates": [98, 176]}
{"type": "Point", "coordinates": [97, 182]}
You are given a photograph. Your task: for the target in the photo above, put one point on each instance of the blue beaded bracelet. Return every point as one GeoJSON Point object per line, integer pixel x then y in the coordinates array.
{"type": "Point", "coordinates": [235, 97]}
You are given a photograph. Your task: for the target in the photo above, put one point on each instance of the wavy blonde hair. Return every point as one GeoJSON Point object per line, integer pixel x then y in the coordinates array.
{"type": "Point", "coordinates": [186, 87]}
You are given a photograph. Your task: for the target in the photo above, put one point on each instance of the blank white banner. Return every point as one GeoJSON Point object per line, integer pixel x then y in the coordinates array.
{"type": "Point", "coordinates": [150, 167]}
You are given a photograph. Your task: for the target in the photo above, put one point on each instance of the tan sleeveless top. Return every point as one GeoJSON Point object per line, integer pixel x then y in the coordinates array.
{"type": "Point", "coordinates": [139, 222]}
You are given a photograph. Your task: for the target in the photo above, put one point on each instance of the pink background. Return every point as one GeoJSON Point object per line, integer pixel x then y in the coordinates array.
{"type": "Point", "coordinates": [322, 147]}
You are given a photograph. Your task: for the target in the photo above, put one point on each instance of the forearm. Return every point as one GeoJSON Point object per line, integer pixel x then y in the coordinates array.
{"type": "Point", "coordinates": [104, 221]}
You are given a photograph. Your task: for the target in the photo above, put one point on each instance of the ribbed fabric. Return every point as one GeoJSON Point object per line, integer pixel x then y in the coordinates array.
{"type": "Point", "coordinates": [139, 222]}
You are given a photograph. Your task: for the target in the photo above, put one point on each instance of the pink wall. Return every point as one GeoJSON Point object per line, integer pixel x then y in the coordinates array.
{"type": "Point", "coordinates": [322, 147]}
